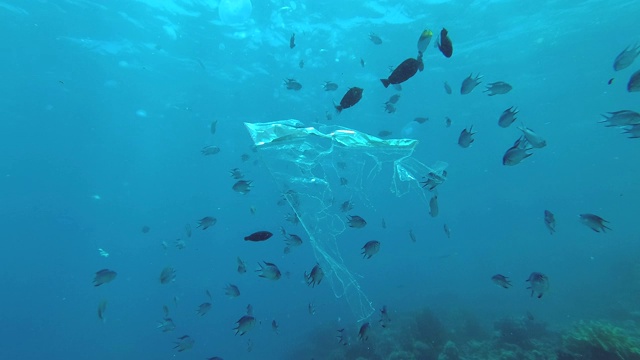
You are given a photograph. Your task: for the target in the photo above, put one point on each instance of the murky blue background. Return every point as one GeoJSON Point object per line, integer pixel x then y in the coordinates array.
{"type": "Point", "coordinates": [106, 105]}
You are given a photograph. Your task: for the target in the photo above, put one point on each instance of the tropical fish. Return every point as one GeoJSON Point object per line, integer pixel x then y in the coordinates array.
{"type": "Point", "coordinates": [350, 98]}
{"type": "Point", "coordinates": [102, 307]}
{"type": "Point", "coordinates": [626, 57]}
{"type": "Point", "coordinates": [498, 88]}
{"type": "Point", "coordinates": [447, 88]}
{"type": "Point", "coordinates": [518, 152]}
{"type": "Point", "coordinates": [213, 126]}
{"type": "Point", "coordinates": [363, 333]}
{"type": "Point", "coordinates": [466, 137]}
{"type": "Point", "coordinates": [370, 248]}
{"type": "Point", "coordinates": [315, 276]}
{"type": "Point", "coordinates": [384, 317]}
{"type": "Point", "coordinates": [393, 99]}
{"type": "Point", "coordinates": [356, 222]}
{"type": "Point", "coordinates": [421, 120]}
{"type": "Point", "coordinates": [621, 118]}
{"type": "Point", "coordinates": [206, 222]}
{"type": "Point", "coordinates": [245, 324]}
{"type": "Point", "coordinates": [508, 117]}
{"type": "Point", "coordinates": [184, 343]}
{"type": "Point", "coordinates": [501, 280]}
{"type": "Point", "coordinates": [210, 150]}
{"type": "Point", "coordinates": [330, 86]}
{"type": "Point", "coordinates": [292, 41]}
{"type": "Point", "coordinates": [242, 186]}
{"type": "Point", "coordinates": [258, 236]}
{"type": "Point", "coordinates": [550, 221]}
{"type": "Point", "coordinates": [424, 40]}
{"type": "Point", "coordinates": [533, 139]}
{"type": "Point", "coordinates": [203, 309]}
{"type": "Point", "coordinates": [342, 338]}
{"type": "Point", "coordinates": [469, 84]}
{"type": "Point", "coordinates": [375, 38]}
{"type": "Point", "coordinates": [447, 122]}
{"type": "Point", "coordinates": [242, 268]}
{"type": "Point", "coordinates": [404, 71]}
{"type": "Point", "coordinates": [538, 283]}
{"type": "Point", "coordinates": [634, 82]}
{"type": "Point", "coordinates": [269, 271]}
{"type": "Point", "coordinates": [412, 236]}
{"type": "Point", "coordinates": [447, 231]}
{"type": "Point", "coordinates": [292, 84]}
{"type": "Point", "coordinates": [594, 222]}
{"type": "Point", "coordinates": [433, 206]}
{"type": "Point", "coordinates": [274, 327]}
{"type": "Point", "coordinates": [145, 229]}
{"type": "Point", "coordinates": [166, 325]}
{"type": "Point", "coordinates": [104, 276]}
{"type": "Point", "coordinates": [167, 275]}
{"type": "Point", "coordinates": [444, 43]}
{"type": "Point", "coordinates": [232, 291]}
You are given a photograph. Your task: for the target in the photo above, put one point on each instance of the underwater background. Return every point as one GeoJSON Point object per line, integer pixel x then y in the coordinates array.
{"type": "Point", "coordinates": [107, 107]}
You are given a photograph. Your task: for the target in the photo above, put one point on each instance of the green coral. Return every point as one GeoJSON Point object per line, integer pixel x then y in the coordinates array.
{"type": "Point", "coordinates": [600, 341]}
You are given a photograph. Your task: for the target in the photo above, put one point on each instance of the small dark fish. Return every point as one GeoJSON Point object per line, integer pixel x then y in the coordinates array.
{"type": "Point", "coordinates": [610, 81]}
{"type": "Point", "coordinates": [269, 271]}
{"type": "Point", "coordinates": [184, 343]}
{"type": "Point", "coordinates": [274, 327]}
{"type": "Point", "coordinates": [634, 82]}
{"type": "Point", "coordinates": [292, 41]}
{"type": "Point", "coordinates": [250, 310]}
{"type": "Point", "coordinates": [301, 63]}
{"type": "Point", "coordinates": [311, 309]}
{"type": "Point", "coordinates": [370, 248]}
{"type": "Point", "coordinates": [444, 43]}
{"type": "Point", "coordinates": [470, 83]}
{"type": "Point", "coordinates": [356, 222]}
{"type": "Point", "coordinates": [384, 317]}
{"type": "Point", "coordinates": [384, 133]}
{"type": "Point", "coordinates": [404, 71]}
{"type": "Point", "coordinates": [210, 150]}
{"type": "Point", "coordinates": [245, 324]}
{"type": "Point", "coordinates": [166, 325]}
{"type": "Point", "coordinates": [394, 98]}
{"type": "Point", "coordinates": [497, 88]}
{"type": "Point", "coordinates": [433, 206]}
{"type": "Point", "coordinates": [363, 333]}
{"type": "Point", "coordinates": [346, 206]}
{"type": "Point", "coordinates": [206, 222]}
{"type": "Point", "coordinates": [242, 186]}
{"type": "Point", "coordinates": [518, 152]}
{"type": "Point", "coordinates": [362, 62]}
{"type": "Point", "coordinates": [330, 86]}
{"type": "Point", "coordinates": [232, 291]}
{"type": "Point", "coordinates": [342, 338]}
{"type": "Point", "coordinates": [315, 276]}
{"type": "Point", "coordinates": [389, 108]}
{"type": "Point", "coordinates": [167, 275]}
{"type": "Point", "coordinates": [594, 222]}
{"type": "Point", "coordinates": [501, 280]}
{"type": "Point", "coordinates": [412, 236]}
{"type": "Point", "coordinates": [236, 173]}
{"type": "Point", "coordinates": [447, 122]}
{"type": "Point", "coordinates": [242, 267]}
{"type": "Point", "coordinates": [102, 307]}
{"type": "Point", "coordinates": [508, 117]}
{"type": "Point", "coordinates": [292, 84]}
{"type": "Point", "coordinates": [466, 137]}
{"type": "Point", "coordinates": [447, 88]}
{"type": "Point", "coordinates": [213, 126]}
{"type": "Point", "coordinates": [626, 57]}
{"type": "Point", "coordinates": [180, 244]}
{"type": "Point", "coordinates": [375, 39]}
{"type": "Point", "coordinates": [203, 309]}
{"type": "Point", "coordinates": [530, 316]}
{"type": "Point", "coordinates": [550, 221]}
{"type": "Point", "coordinates": [104, 276]}
{"type": "Point", "coordinates": [447, 231]}
{"type": "Point", "coordinates": [258, 236]}
{"type": "Point", "coordinates": [421, 120]}
{"type": "Point", "coordinates": [165, 310]}
{"type": "Point", "coordinates": [187, 230]}
{"type": "Point", "coordinates": [145, 229]}
{"type": "Point", "coordinates": [383, 223]}
{"type": "Point", "coordinates": [352, 96]}
{"type": "Point", "coordinates": [538, 283]}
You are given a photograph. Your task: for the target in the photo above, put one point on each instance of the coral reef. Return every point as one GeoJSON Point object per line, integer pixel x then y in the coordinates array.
{"type": "Point", "coordinates": [597, 340]}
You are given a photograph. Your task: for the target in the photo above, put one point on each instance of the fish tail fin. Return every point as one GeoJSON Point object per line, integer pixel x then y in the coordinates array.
{"type": "Point", "coordinates": [385, 82]}
{"type": "Point", "coordinates": [338, 108]}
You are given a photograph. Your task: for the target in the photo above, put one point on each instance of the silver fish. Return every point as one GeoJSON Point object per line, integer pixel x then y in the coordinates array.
{"type": "Point", "coordinates": [534, 139]}
{"type": "Point", "coordinates": [469, 84]}
{"type": "Point", "coordinates": [594, 222]}
{"type": "Point", "coordinates": [538, 283]}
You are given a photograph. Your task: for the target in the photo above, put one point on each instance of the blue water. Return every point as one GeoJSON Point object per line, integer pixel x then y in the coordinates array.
{"type": "Point", "coordinates": [106, 106]}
